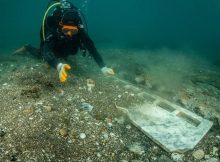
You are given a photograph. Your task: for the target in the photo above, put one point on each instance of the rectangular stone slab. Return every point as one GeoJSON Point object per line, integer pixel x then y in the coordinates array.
{"type": "Point", "coordinates": [172, 127]}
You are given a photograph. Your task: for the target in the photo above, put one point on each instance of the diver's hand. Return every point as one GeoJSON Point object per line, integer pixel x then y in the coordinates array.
{"type": "Point", "coordinates": [61, 68]}
{"type": "Point", "coordinates": [107, 71]}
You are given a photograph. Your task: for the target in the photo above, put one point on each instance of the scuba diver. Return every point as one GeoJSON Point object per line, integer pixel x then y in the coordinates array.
{"type": "Point", "coordinates": [63, 33]}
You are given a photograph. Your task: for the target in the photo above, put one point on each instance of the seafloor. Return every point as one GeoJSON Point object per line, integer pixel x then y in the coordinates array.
{"type": "Point", "coordinates": [43, 120]}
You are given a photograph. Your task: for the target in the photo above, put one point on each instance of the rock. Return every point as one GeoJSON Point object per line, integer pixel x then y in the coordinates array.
{"type": "Point", "coordinates": [2, 132]}
{"type": "Point", "coordinates": [63, 132]}
{"type": "Point", "coordinates": [48, 108]}
{"type": "Point", "coordinates": [74, 133]}
{"type": "Point", "coordinates": [86, 107]}
{"type": "Point", "coordinates": [128, 126]}
{"type": "Point", "coordinates": [99, 155]}
{"type": "Point", "coordinates": [90, 84]}
{"type": "Point", "coordinates": [120, 120]}
{"type": "Point", "coordinates": [28, 110]}
{"type": "Point", "coordinates": [136, 148]}
{"type": "Point", "coordinates": [82, 135]}
{"type": "Point", "coordinates": [198, 154]}
{"type": "Point", "coordinates": [215, 151]}
{"type": "Point", "coordinates": [177, 157]}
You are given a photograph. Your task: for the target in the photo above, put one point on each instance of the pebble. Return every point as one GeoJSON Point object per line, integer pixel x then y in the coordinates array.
{"type": "Point", "coordinates": [86, 107]}
{"type": "Point", "coordinates": [63, 132]}
{"type": "Point", "coordinates": [2, 132]}
{"type": "Point", "coordinates": [198, 154]}
{"type": "Point", "coordinates": [98, 154]}
{"type": "Point", "coordinates": [177, 157]}
{"type": "Point", "coordinates": [82, 135]}
{"type": "Point", "coordinates": [105, 135]}
{"type": "Point", "coordinates": [128, 126]}
{"type": "Point", "coordinates": [215, 151]}
{"type": "Point", "coordinates": [136, 148]}
{"type": "Point", "coordinates": [120, 120]}
{"type": "Point", "coordinates": [48, 108]}
{"type": "Point", "coordinates": [29, 110]}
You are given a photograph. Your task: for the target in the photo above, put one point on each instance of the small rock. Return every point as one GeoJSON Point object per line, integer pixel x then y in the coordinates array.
{"type": "Point", "coordinates": [105, 135]}
{"type": "Point", "coordinates": [90, 84]}
{"type": "Point", "coordinates": [61, 94]}
{"type": "Point", "coordinates": [29, 110]}
{"type": "Point", "coordinates": [2, 132]}
{"type": "Point", "coordinates": [74, 133]}
{"type": "Point", "coordinates": [82, 135]}
{"type": "Point", "coordinates": [177, 157]}
{"type": "Point", "coordinates": [215, 151]}
{"type": "Point", "coordinates": [82, 100]}
{"type": "Point", "coordinates": [48, 108]}
{"type": "Point", "coordinates": [86, 107]}
{"type": "Point", "coordinates": [63, 132]}
{"type": "Point", "coordinates": [128, 126]}
{"type": "Point", "coordinates": [136, 148]}
{"type": "Point", "coordinates": [198, 154]}
{"type": "Point", "coordinates": [207, 156]}
{"type": "Point", "coordinates": [99, 155]}
{"type": "Point", "coordinates": [120, 120]}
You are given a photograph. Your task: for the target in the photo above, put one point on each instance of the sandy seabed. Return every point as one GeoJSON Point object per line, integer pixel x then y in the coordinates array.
{"type": "Point", "coordinates": [43, 120]}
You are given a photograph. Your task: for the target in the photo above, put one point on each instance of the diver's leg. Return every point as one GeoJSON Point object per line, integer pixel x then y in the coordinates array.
{"type": "Point", "coordinates": [28, 49]}
{"type": "Point", "coordinates": [32, 50]}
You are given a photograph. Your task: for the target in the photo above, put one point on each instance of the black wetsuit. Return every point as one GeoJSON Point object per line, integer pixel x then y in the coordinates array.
{"type": "Point", "coordinates": [57, 45]}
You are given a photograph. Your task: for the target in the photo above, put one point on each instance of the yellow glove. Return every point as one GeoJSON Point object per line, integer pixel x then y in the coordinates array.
{"type": "Point", "coordinates": [107, 71]}
{"type": "Point", "coordinates": [61, 68]}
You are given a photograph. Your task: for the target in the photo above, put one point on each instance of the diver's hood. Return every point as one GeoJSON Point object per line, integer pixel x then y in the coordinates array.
{"type": "Point", "coordinates": [70, 17]}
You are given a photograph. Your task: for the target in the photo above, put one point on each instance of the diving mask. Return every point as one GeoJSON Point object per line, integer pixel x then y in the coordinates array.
{"type": "Point", "coordinates": [69, 30]}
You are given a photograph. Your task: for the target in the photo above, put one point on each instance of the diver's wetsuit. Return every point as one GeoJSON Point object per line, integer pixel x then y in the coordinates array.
{"type": "Point", "coordinates": [57, 45]}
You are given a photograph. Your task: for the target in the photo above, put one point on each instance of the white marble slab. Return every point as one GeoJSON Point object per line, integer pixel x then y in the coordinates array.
{"type": "Point", "coordinates": [172, 127]}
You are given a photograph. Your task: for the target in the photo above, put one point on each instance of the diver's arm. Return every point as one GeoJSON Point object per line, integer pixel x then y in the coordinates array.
{"type": "Point", "coordinates": [86, 40]}
{"type": "Point", "coordinates": [48, 54]}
